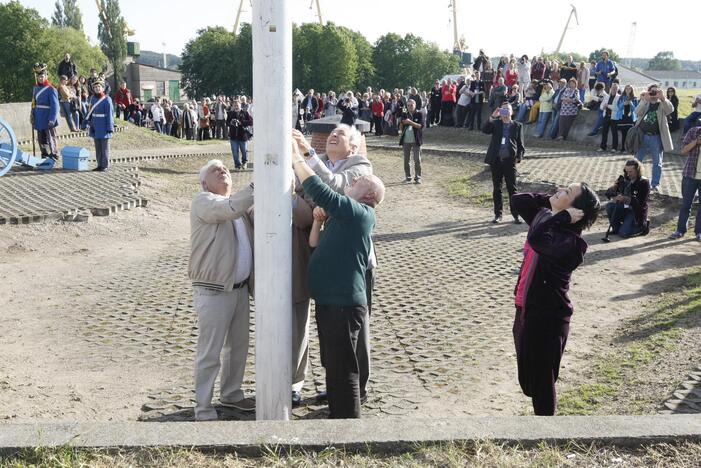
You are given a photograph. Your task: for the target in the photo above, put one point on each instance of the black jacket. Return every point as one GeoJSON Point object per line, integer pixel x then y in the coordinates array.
{"type": "Point", "coordinates": [435, 97]}
{"type": "Point", "coordinates": [640, 195]}
{"type": "Point", "coordinates": [237, 122]}
{"type": "Point", "coordinates": [67, 69]}
{"type": "Point", "coordinates": [348, 114]}
{"type": "Point", "coordinates": [315, 104]}
{"type": "Point", "coordinates": [496, 129]}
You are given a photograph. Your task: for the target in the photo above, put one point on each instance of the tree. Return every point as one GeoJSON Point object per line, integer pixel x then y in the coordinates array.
{"type": "Point", "coordinates": [207, 66]}
{"type": "Point", "coordinates": [111, 32]}
{"type": "Point", "coordinates": [664, 61]}
{"type": "Point", "coordinates": [562, 57]}
{"type": "Point", "coordinates": [365, 70]}
{"type": "Point", "coordinates": [57, 19]}
{"type": "Point", "coordinates": [72, 17]}
{"type": "Point", "coordinates": [596, 55]}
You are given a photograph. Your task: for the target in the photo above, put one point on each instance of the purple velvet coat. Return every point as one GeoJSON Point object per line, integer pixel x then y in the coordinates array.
{"type": "Point", "coordinates": [559, 251]}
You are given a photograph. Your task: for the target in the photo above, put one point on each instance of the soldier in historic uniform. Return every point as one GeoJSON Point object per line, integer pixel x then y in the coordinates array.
{"type": "Point", "coordinates": [44, 115]}
{"type": "Point", "coordinates": [100, 118]}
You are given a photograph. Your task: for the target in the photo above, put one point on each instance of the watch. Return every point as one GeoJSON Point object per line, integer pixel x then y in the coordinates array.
{"type": "Point", "coordinates": [310, 153]}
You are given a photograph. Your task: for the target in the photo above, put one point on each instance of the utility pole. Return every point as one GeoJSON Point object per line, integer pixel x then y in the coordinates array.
{"type": "Point", "coordinates": [165, 58]}
{"type": "Point", "coordinates": [238, 18]}
{"type": "Point", "coordinates": [573, 12]}
{"type": "Point", "coordinates": [272, 176]}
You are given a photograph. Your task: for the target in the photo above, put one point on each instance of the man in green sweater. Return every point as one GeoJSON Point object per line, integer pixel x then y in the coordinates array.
{"type": "Point", "coordinates": [337, 278]}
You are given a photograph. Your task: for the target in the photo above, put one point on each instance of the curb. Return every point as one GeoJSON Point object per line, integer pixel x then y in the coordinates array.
{"type": "Point", "coordinates": [382, 435]}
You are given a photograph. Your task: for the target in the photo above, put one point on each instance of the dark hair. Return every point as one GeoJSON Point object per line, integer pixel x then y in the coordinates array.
{"type": "Point", "coordinates": [599, 86]}
{"type": "Point", "coordinates": [638, 166]}
{"type": "Point", "coordinates": [589, 203]}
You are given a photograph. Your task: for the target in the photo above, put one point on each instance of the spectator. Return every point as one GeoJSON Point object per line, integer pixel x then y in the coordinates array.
{"type": "Point", "coordinates": [84, 95]}
{"type": "Point", "coordinates": [691, 183]}
{"type": "Point", "coordinates": [627, 211]}
{"type": "Point", "coordinates": [239, 122]}
{"type": "Point", "coordinates": [538, 70]}
{"type": "Point", "coordinates": [348, 113]}
{"type": "Point", "coordinates": [609, 108]}
{"type": "Point", "coordinates": [505, 151]}
{"type": "Point", "coordinates": [108, 88]}
{"type": "Point", "coordinates": [524, 73]}
{"type": "Point", "coordinates": [626, 113]}
{"type": "Point", "coordinates": [546, 109]}
{"type": "Point", "coordinates": [606, 70]}
{"type": "Point", "coordinates": [188, 122]}
{"type": "Point", "coordinates": [168, 117]}
{"type": "Point", "coordinates": [175, 125]}
{"type": "Point", "coordinates": [91, 79]}
{"type": "Point", "coordinates": [414, 94]}
{"type": "Point", "coordinates": [583, 80]}
{"type": "Point", "coordinates": [476, 94]}
{"type": "Point", "coordinates": [482, 62]}
{"type": "Point", "coordinates": [331, 103]}
{"type": "Point", "coordinates": [364, 112]}
{"type": "Point", "coordinates": [123, 99]}
{"type": "Point", "coordinates": [157, 115]}
{"type": "Point", "coordinates": [592, 75]}
{"type": "Point", "coordinates": [557, 105]}
{"type": "Point", "coordinates": [220, 118]}
{"type": "Point", "coordinates": [674, 116]}
{"type": "Point", "coordinates": [448, 99]}
{"type": "Point", "coordinates": [410, 128]}
{"type": "Point", "coordinates": [463, 103]}
{"type": "Point", "coordinates": [203, 113]}
{"type": "Point", "coordinates": [692, 120]}
{"type": "Point", "coordinates": [67, 67]}
{"type": "Point", "coordinates": [511, 76]}
{"type": "Point", "coordinates": [597, 97]}
{"type": "Point", "coordinates": [497, 96]}
{"type": "Point", "coordinates": [221, 270]}
{"type": "Point", "coordinates": [514, 98]}
{"type": "Point", "coordinates": [434, 111]}
{"type": "Point", "coordinates": [75, 102]}
{"type": "Point", "coordinates": [653, 109]}
{"type": "Point", "coordinates": [310, 105]}
{"type": "Point", "coordinates": [378, 113]}
{"type": "Point", "coordinates": [554, 74]}
{"type": "Point", "coordinates": [528, 101]}
{"type": "Point", "coordinates": [569, 108]}
{"type": "Point", "coordinates": [66, 94]}
{"type": "Point", "coordinates": [568, 69]}
{"type": "Point", "coordinates": [554, 248]}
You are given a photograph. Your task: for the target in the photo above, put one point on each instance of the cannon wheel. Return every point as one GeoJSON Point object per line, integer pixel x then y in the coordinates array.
{"type": "Point", "coordinates": [8, 147]}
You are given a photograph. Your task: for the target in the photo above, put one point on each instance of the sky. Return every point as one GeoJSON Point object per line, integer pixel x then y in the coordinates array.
{"type": "Point", "coordinates": [601, 23]}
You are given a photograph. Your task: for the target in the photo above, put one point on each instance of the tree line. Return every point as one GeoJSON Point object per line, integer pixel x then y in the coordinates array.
{"type": "Point", "coordinates": [328, 57]}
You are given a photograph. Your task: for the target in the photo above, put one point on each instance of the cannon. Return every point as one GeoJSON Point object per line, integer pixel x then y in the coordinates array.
{"type": "Point", "coordinates": [12, 155]}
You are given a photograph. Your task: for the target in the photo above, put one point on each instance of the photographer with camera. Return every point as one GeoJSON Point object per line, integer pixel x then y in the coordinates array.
{"type": "Point", "coordinates": [653, 109]}
{"type": "Point", "coordinates": [628, 205]}
{"type": "Point", "coordinates": [239, 122]}
{"type": "Point", "coordinates": [505, 150]}
{"type": "Point", "coordinates": [348, 114]}
{"type": "Point", "coordinates": [411, 123]}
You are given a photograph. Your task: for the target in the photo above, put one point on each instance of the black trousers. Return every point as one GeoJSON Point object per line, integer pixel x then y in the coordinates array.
{"type": "Point", "coordinates": [475, 113]}
{"type": "Point", "coordinates": [461, 114]}
{"type": "Point", "coordinates": [540, 343]}
{"type": "Point", "coordinates": [447, 113]}
{"type": "Point", "coordinates": [339, 327]}
{"type": "Point", "coordinates": [377, 121]}
{"type": "Point", "coordinates": [434, 115]}
{"type": "Point", "coordinates": [503, 170]}
{"type": "Point", "coordinates": [611, 125]}
{"type": "Point", "coordinates": [362, 351]}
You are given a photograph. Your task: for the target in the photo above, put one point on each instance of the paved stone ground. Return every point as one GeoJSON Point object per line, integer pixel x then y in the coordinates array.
{"type": "Point", "coordinates": [39, 196]}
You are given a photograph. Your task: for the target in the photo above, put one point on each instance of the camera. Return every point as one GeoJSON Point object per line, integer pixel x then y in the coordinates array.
{"type": "Point", "coordinates": [653, 92]}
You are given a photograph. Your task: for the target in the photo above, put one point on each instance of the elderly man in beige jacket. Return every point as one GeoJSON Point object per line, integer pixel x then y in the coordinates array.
{"type": "Point", "coordinates": [221, 269]}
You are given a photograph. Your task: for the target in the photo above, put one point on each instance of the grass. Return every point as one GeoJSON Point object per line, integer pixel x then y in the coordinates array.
{"type": "Point", "coordinates": [449, 454]}
{"type": "Point", "coordinates": [645, 340]}
{"type": "Point", "coordinates": [686, 99]}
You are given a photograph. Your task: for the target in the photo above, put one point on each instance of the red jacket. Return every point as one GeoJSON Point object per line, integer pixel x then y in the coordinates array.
{"type": "Point", "coordinates": [378, 109]}
{"type": "Point", "coordinates": [448, 93]}
{"type": "Point", "coordinates": [123, 97]}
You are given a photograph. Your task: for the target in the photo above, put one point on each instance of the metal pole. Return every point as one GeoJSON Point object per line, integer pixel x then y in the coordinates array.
{"type": "Point", "coordinates": [272, 85]}
{"type": "Point", "coordinates": [238, 18]}
{"type": "Point", "coordinates": [318, 10]}
{"type": "Point", "coordinates": [567, 25]}
{"type": "Point", "coordinates": [456, 40]}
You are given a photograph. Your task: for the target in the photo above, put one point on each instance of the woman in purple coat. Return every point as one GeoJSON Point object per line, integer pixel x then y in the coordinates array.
{"type": "Point", "coordinates": [553, 249]}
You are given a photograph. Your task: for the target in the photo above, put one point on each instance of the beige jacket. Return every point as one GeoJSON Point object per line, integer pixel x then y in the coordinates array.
{"type": "Point", "coordinates": [665, 109]}
{"type": "Point", "coordinates": [213, 239]}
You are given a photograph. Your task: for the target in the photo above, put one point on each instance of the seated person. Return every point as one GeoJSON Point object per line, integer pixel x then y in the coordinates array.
{"type": "Point", "coordinates": [627, 210]}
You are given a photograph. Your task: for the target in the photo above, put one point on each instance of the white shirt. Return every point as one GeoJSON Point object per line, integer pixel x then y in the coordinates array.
{"type": "Point", "coordinates": [244, 256]}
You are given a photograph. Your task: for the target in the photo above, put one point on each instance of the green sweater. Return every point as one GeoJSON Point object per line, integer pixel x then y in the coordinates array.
{"type": "Point", "coordinates": [337, 267]}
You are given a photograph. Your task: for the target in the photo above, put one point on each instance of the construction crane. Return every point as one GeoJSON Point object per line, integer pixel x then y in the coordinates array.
{"type": "Point", "coordinates": [318, 10]}
{"type": "Point", "coordinates": [573, 12]}
{"type": "Point", "coordinates": [631, 43]}
{"type": "Point", "coordinates": [101, 9]}
{"type": "Point", "coordinates": [458, 43]}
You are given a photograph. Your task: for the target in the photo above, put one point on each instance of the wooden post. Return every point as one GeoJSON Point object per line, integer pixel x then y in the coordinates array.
{"type": "Point", "coordinates": [272, 85]}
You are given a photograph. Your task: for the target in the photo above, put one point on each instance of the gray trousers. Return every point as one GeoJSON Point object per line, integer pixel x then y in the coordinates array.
{"type": "Point", "coordinates": [102, 152]}
{"type": "Point", "coordinates": [47, 142]}
{"type": "Point", "coordinates": [223, 322]}
{"type": "Point", "coordinates": [300, 344]}
{"type": "Point", "coordinates": [408, 148]}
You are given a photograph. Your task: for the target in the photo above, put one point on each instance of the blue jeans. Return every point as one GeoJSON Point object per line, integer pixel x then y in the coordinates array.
{"type": "Point", "coordinates": [581, 94]}
{"type": "Point", "coordinates": [543, 118]}
{"type": "Point", "coordinates": [690, 187]}
{"type": "Point", "coordinates": [241, 146]}
{"type": "Point", "coordinates": [652, 144]}
{"type": "Point", "coordinates": [555, 127]}
{"type": "Point", "coordinates": [621, 219]}
{"type": "Point", "coordinates": [158, 126]}
{"type": "Point", "coordinates": [599, 123]}
{"type": "Point", "coordinates": [167, 128]}
{"type": "Point", "coordinates": [522, 113]}
{"type": "Point", "coordinates": [66, 106]}
{"type": "Point", "coordinates": [692, 120]}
